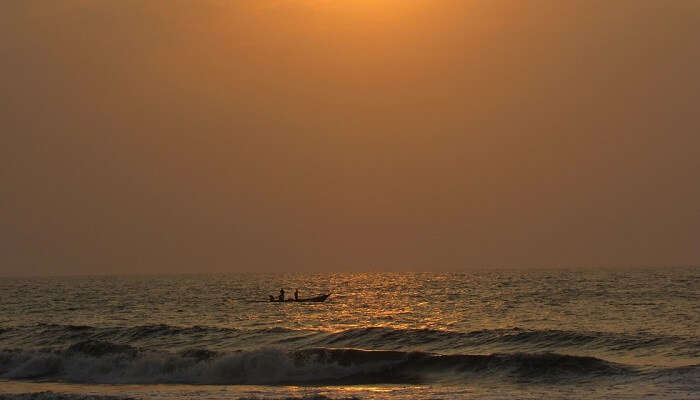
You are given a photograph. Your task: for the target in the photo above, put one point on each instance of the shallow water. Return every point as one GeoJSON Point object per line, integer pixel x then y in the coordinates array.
{"type": "Point", "coordinates": [555, 334]}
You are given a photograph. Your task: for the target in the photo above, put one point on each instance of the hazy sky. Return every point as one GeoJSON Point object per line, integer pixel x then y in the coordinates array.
{"type": "Point", "coordinates": [213, 135]}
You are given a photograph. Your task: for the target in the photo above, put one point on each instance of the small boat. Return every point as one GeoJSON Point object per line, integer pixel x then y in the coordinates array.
{"type": "Point", "coordinates": [318, 299]}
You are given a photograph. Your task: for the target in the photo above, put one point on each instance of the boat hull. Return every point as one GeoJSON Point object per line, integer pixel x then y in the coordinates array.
{"type": "Point", "coordinates": [317, 299]}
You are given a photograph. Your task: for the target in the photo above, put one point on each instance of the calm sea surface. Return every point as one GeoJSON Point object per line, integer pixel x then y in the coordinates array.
{"type": "Point", "coordinates": [490, 335]}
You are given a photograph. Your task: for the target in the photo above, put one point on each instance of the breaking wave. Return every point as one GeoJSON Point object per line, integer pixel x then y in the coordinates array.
{"type": "Point", "coordinates": [105, 362]}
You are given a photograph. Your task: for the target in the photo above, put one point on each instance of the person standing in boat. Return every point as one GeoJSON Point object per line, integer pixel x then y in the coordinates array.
{"type": "Point", "coordinates": [281, 295]}
{"type": "Point", "coordinates": [296, 294]}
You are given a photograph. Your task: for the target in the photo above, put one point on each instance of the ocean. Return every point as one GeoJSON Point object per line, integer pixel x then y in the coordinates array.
{"type": "Point", "coordinates": [556, 334]}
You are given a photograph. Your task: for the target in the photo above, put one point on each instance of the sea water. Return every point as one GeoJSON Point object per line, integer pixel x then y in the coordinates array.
{"type": "Point", "coordinates": [585, 334]}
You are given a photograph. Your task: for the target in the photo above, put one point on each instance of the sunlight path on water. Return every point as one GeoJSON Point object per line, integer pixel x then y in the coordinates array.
{"type": "Point", "coordinates": [500, 334]}
{"type": "Point", "coordinates": [393, 392]}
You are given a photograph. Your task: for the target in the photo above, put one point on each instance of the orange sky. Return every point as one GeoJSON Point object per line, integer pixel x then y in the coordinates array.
{"type": "Point", "coordinates": [212, 135]}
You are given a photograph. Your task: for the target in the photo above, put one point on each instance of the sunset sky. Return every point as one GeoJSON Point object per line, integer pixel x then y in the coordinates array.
{"type": "Point", "coordinates": [268, 135]}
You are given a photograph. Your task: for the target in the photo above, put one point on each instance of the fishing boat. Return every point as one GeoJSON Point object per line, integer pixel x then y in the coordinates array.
{"type": "Point", "coordinates": [318, 299]}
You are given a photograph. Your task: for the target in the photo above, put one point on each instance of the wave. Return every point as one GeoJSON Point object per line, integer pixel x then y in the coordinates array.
{"type": "Point", "coordinates": [153, 335]}
{"type": "Point", "coordinates": [167, 337]}
{"type": "Point", "coordinates": [512, 339]}
{"type": "Point", "coordinates": [105, 362]}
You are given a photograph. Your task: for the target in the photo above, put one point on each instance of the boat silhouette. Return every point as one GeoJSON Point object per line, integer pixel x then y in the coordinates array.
{"type": "Point", "coordinates": [317, 299]}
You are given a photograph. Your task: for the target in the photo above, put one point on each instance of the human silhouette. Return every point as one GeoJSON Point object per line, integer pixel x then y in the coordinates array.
{"type": "Point", "coordinates": [296, 294]}
{"type": "Point", "coordinates": [281, 295]}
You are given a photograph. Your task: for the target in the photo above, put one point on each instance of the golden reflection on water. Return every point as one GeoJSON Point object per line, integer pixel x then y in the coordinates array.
{"type": "Point", "coordinates": [211, 392]}
{"type": "Point", "coordinates": [393, 300]}
{"type": "Point", "coordinates": [577, 314]}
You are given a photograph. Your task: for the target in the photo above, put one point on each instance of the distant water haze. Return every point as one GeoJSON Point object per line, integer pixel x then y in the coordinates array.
{"type": "Point", "coordinates": [215, 136]}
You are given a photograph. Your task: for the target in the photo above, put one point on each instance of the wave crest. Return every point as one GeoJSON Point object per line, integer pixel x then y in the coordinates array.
{"type": "Point", "coordinates": [511, 339]}
{"type": "Point", "coordinates": [167, 337]}
{"type": "Point", "coordinates": [103, 362]}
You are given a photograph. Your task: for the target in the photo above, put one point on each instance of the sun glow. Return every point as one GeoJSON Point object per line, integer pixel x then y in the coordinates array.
{"type": "Point", "coordinates": [356, 8]}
